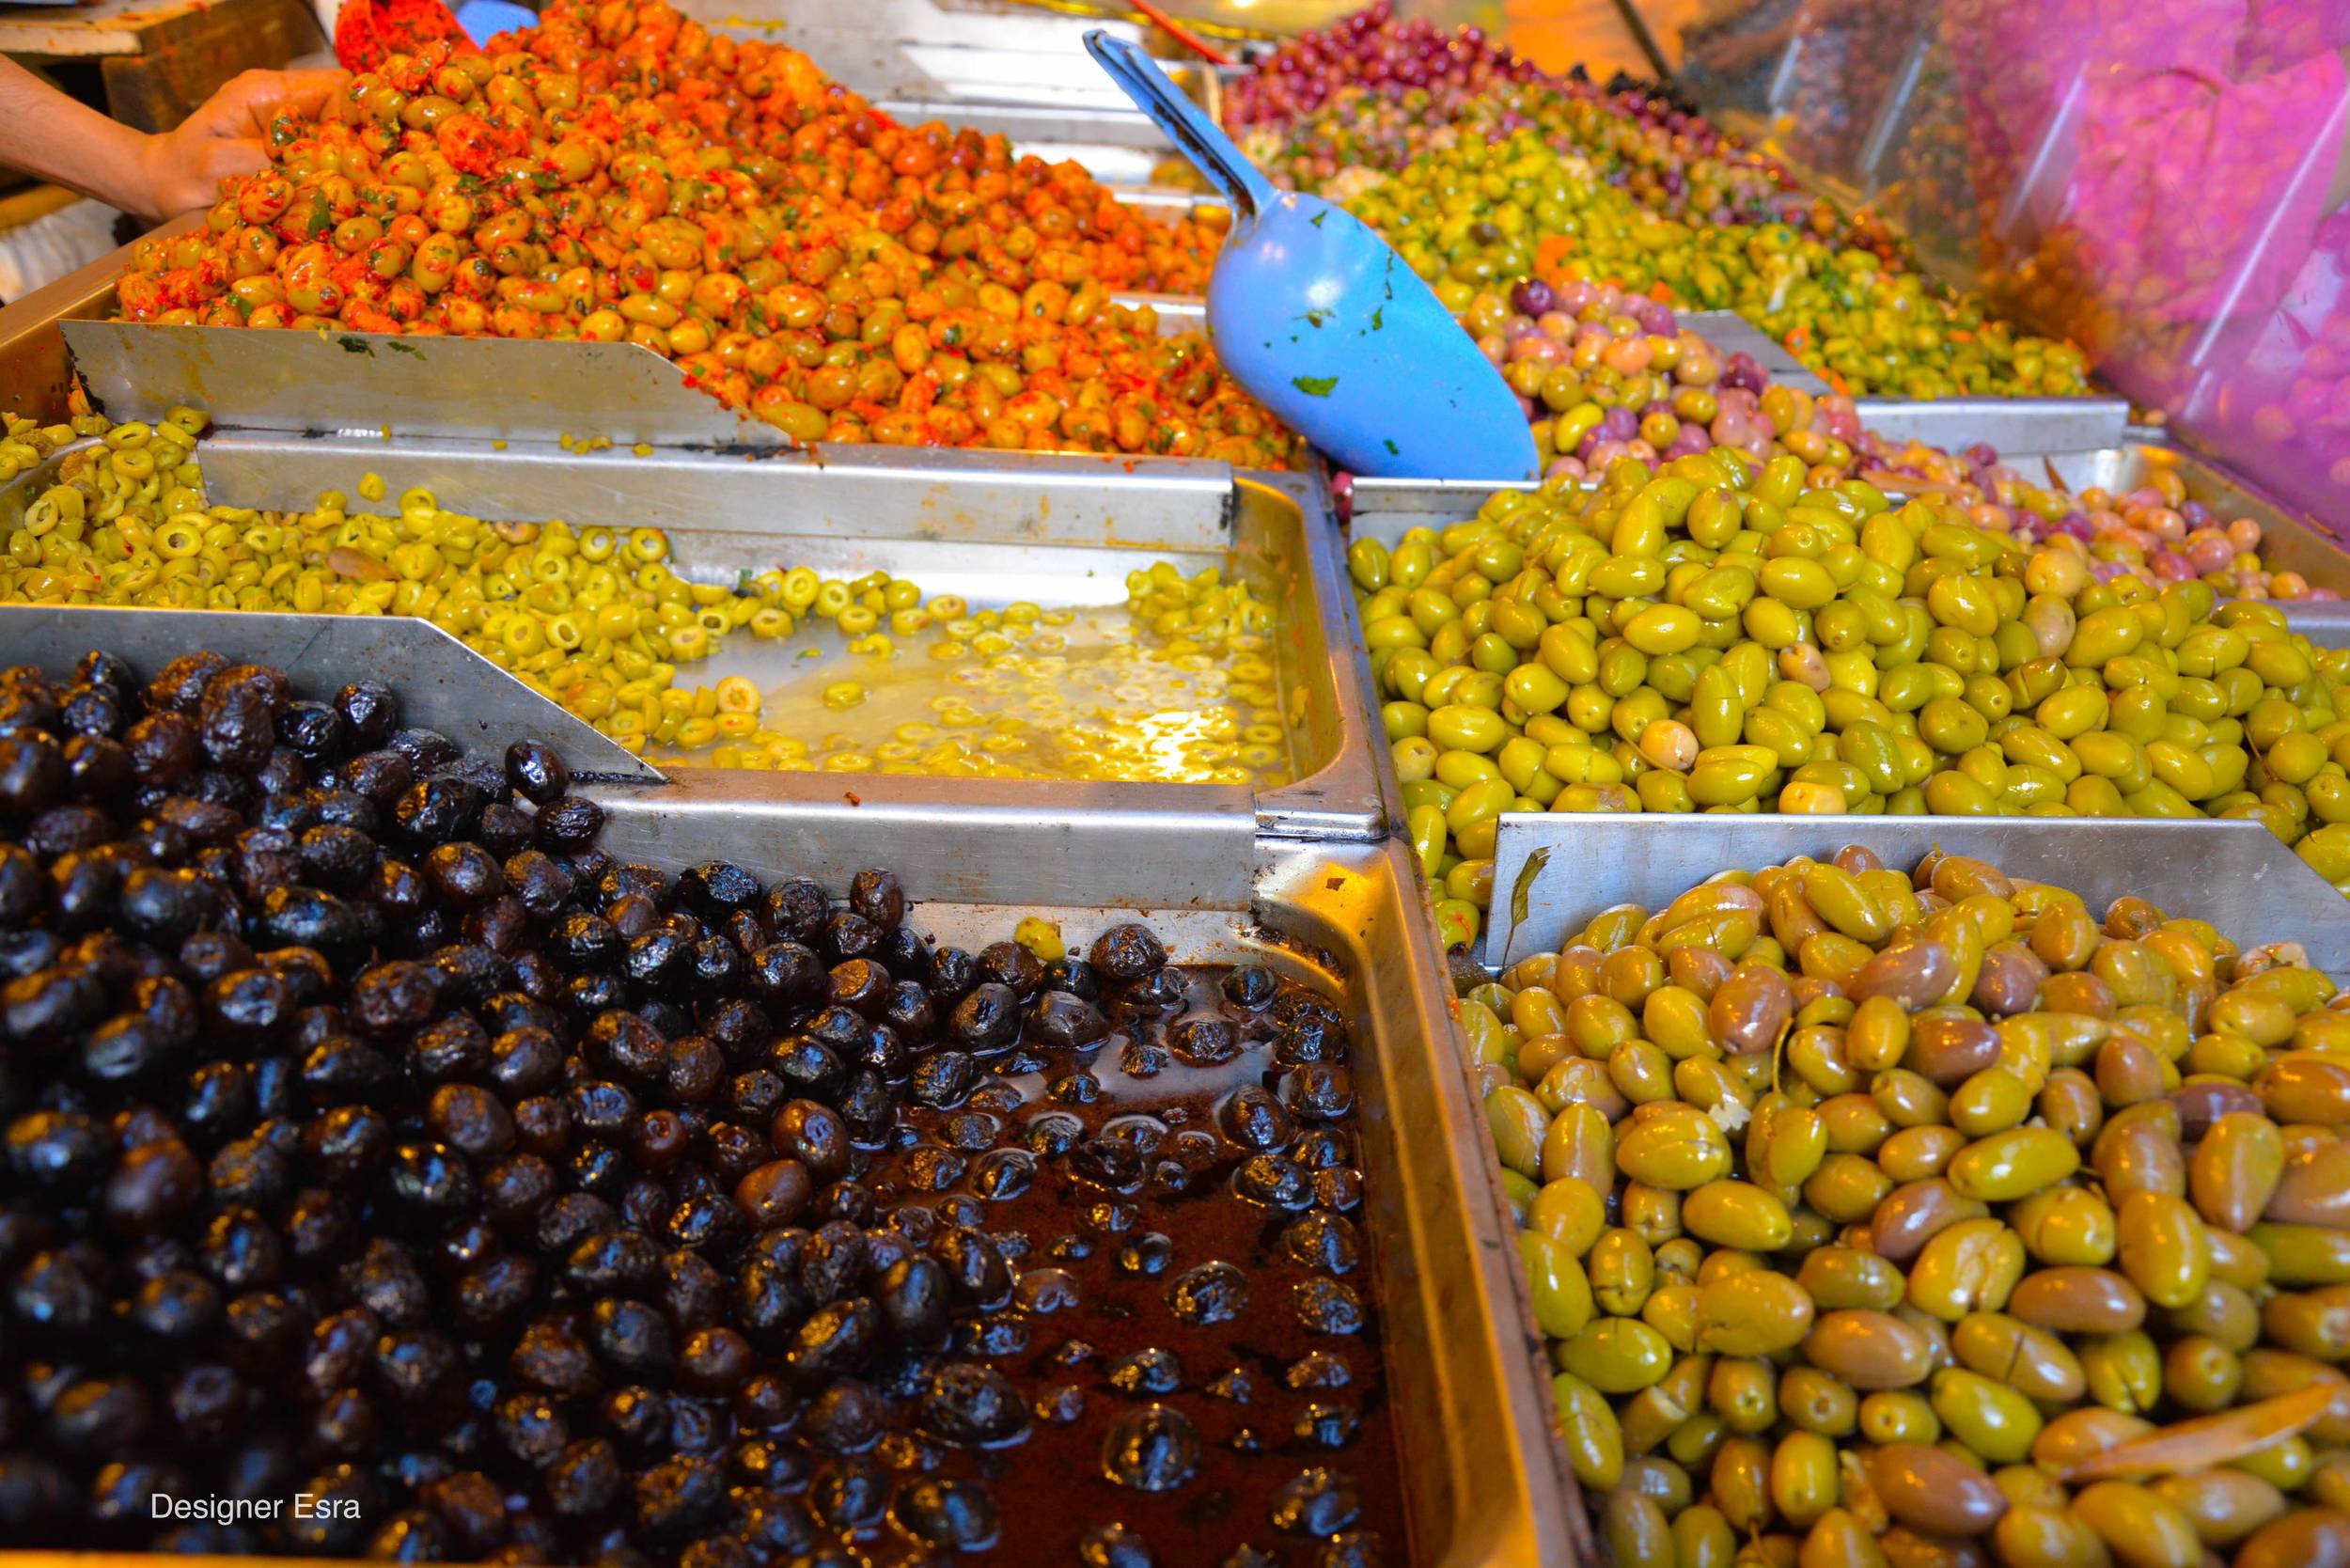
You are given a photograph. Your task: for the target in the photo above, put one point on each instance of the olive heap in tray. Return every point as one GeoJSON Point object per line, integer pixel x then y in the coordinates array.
{"type": "Point", "coordinates": [373, 1138]}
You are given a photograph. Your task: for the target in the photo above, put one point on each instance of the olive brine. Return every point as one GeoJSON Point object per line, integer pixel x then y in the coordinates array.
{"type": "Point", "coordinates": [373, 1136]}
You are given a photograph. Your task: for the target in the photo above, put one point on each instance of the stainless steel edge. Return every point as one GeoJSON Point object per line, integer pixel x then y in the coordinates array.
{"type": "Point", "coordinates": [1125, 846]}
{"type": "Point", "coordinates": [1482, 1453]}
{"type": "Point", "coordinates": [2012, 424]}
{"type": "Point", "coordinates": [480, 389]}
{"type": "Point", "coordinates": [850, 491]}
{"type": "Point", "coordinates": [1348, 798]}
{"type": "Point", "coordinates": [1562, 870]}
{"type": "Point", "coordinates": [443, 684]}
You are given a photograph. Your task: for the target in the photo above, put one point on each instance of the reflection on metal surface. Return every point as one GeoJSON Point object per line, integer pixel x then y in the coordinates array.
{"type": "Point", "coordinates": [2234, 874]}
{"type": "Point", "coordinates": [2014, 425]}
{"type": "Point", "coordinates": [443, 684]}
{"type": "Point", "coordinates": [511, 389]}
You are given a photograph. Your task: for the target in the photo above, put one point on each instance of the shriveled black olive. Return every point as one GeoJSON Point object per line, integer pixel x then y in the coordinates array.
{"type": "Point", "coordinates": [1125, 953]}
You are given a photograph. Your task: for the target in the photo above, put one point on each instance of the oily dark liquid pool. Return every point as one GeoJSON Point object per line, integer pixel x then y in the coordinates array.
{"type": "Point", "coordinates": [1196, 1310]}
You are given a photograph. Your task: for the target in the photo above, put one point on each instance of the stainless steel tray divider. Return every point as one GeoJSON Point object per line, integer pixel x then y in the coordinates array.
{"type": "Point", "coordinates": [391, 384]}
{"type": "Point", "coordinates": [443, 684]}
{"type": "Point", "coordinates": [1553, 872]}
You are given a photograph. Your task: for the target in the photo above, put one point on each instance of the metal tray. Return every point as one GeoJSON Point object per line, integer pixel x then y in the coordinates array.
{"type": "Point", "coordinates": [1483, 1483]}
{"type": "Point", "coordinates": [1553, 873]}
{"type": "Point", "coordinates": [993, 527]}
{"type": "Point", "coordinates": [986, 50]}
{"type": "Point", "coordinates": [444, 685]}
{"type": "Point", "coordinates": [2291, 539]}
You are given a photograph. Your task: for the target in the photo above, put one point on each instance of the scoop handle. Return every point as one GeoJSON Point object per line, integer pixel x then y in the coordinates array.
{"type": "Point", "coordinates": [1196, 136]}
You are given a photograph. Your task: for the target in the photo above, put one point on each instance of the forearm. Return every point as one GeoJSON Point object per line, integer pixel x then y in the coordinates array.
{"type": "Point", "coordinates": [50, 136]}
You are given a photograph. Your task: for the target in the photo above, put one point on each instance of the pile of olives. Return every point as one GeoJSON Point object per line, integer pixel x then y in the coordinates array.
{"type": "Point", "coordinates": [1723, 635]}
{"type": "Point", "coordinates": [1880, 1219]}
{"type": "Point", "coordinates": [374, 1139]}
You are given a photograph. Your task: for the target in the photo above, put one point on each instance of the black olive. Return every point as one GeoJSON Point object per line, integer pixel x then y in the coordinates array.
{"type": "Point", "coordinates": [877, 895]}
{"type": "Point", "coordinates": [427, 750]}
{"type": "Point", "coordinates": [567, 825]}
{"type": "Point", "coordinates": [535, 772]}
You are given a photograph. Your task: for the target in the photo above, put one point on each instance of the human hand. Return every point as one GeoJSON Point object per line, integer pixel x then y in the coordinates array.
{"type": "Point", "coordinates": [180, 169]}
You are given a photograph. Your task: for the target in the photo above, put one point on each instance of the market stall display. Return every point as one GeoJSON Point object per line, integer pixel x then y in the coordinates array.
{"type": "Point", "coordinates": [1306, 1093]}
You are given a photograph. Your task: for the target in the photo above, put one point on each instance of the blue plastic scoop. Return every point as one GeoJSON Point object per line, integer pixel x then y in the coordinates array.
{"type": "Point", "coordinates": [1323, 322]}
